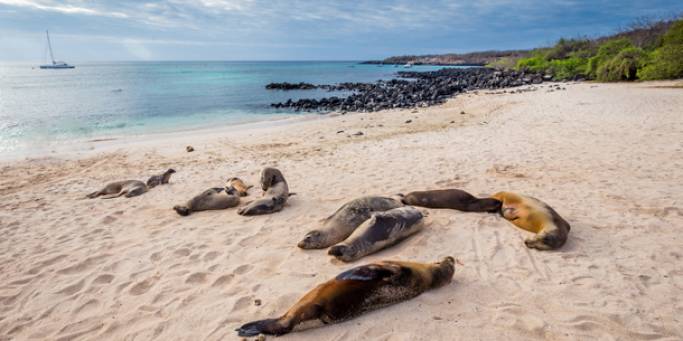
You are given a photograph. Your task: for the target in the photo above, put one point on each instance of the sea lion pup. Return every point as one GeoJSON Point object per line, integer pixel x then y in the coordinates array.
{"type": "Point", "coordinates": [345, 220]}
{"type": "Point", "coordinates": [128, 188]}
{"type": "Point", "coordinates": [451, 198]}
{"type": "Point", "coordinates": [236, 186]}
{"type": "Point", "coordinates": [275, 194]}
{"type": "Point", "coordinates": [354, 292]}
{"type": "Point", "coordinates": [211, 199]}
{"type": "Point", "coordinates": [160, 179]}
{"type": "Point", "coordinates": [382, 230]}
{"type": "Point", "coordinates": [534, 216]}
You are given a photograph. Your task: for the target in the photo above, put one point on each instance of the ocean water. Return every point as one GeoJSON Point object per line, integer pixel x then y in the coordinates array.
{"type": "Point", "coordinates": [41, 110]}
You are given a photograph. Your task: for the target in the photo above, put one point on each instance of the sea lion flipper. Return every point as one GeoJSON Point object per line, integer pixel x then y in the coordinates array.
{"type": "Point", "coordinates": [371, 272]}
{"type": "Point", "coordinates": [267, 326]}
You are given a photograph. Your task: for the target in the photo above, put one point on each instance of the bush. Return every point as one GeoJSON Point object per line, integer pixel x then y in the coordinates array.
{"type": "Point", "coordinates": [567, 47]}
{"type": "Point", "coordinates": [606, 52]}
{"type": "Point", "coordinates": [569, 68]}
{"type": "Point", "coordinates": [666, 63]}
{"type": "Point", "coordinates": [623, 66]}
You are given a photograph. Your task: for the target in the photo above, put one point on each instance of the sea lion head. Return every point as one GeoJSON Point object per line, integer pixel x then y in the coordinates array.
{"type": "Point", "coordinates": [313, 240]}
{"type": "Point", "coordinates": [182, 210]}
{"type": "Point", "coordinates": [170, 171]}
{"type": "Point", "coordinates": [343, 252]}
{"type": "Point", "coordinates": [270, 176]}
{"type": "Point", "coordinates": [442, 272]}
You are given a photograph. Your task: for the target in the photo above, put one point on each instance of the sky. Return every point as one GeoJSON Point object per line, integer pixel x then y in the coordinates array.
{"type": "Point", "coordinates": [99, 30]}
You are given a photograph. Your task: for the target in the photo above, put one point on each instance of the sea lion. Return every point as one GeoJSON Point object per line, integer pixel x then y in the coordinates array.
{"type": "Point", "coordinates": [354, 292]}
{"type": "Point", "coordinates": [275, 194]}
{"type": "Point", "coordinates": [211, 199]}
{"type": "Point", "coordinates": [160, 179]}
{"type": "Point", "coordinates": [383, 229]}
{"type": "Point", "coordinates": [451, 198]}
{"type": "Point", "coordinates": [535, 216]}
{"type": "Point", "coordinates": [127, 188]}
{"type": "Point", "coordinates": [345, 220]}
{"type": "Point", "coordinates": [236, 186]}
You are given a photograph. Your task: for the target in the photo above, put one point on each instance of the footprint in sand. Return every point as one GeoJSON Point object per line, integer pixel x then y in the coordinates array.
{"type": "Point", "coordinates": [209, 256]}
{"type": "Point", "coordinates": [72, 289]}
{"type": "Point", "coordinates": [225, 279]}
{"type": "Point", "coordinates": [103, 279]}
{"type": "Point", "coordinates": [243, 269]}
{"type": "Point", "coordinates": [197, 278]}
{"type": "Point", "coordinates": [144, 286]}
{"type": "Point", "coordinates": [184, 252]}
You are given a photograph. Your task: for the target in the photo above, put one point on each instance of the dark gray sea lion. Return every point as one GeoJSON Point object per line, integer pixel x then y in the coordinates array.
{"type": "Point", "coordinates": [160, 179]}
{"type": "Point", "coordinates": [383, 229]}
{"type": "Point", "coordinates": [211, 199]}
{"type": "Point", "coordinates": [236, 186]}
{"type": "Point", "coordinates": [127, 188]}
{"type": "Point", "coordinates": [535, 216]}
{"type": "Point", "coordinates": [354, 292]}
{"type": "Point", "coordinates": [345, 220]}
{"type": "Point", "coordinates": [275, 194]}
{"type": "Point", "coordinates": [451, 198]}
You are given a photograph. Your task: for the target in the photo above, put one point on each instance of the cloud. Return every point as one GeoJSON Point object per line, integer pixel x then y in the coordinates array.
{"type": "Point", "coordinates": [66, 9]}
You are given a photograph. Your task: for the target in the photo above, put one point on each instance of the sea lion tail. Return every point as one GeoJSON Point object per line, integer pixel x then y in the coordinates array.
{"type": "Point", "coordinates": [267, 326]}
{"type": "Point", "coordinates": [182, 210]}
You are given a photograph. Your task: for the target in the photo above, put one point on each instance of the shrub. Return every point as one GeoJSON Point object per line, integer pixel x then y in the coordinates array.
{"type": "Point", "coordinates": [666, 63]}
{"type": "Point", "coordinates": [606, 52]}
{"type": "Point", "coordinates": [569, 68]}
{"type": "Point", "coordinates": [623, 66]}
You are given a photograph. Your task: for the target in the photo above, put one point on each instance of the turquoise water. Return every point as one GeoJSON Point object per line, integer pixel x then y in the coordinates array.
{"type": "Point", "coordinates": [41, 109]}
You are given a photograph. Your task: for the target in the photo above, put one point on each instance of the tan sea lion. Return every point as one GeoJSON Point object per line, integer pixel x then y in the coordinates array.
{"type": "Point", "coordinates": [236, 186]}
{"type": "Point", "coordinates": [127, 188]}
{"type": "Point", "coordinates": [211, 199]}
{"type": "Point", "coordinates": [345, 220]}
{"type": "Point", "coordinates": [451, 198]}
{"type": "Point", "coordinates": [535, 216]}
{"type": "Point", "coordinates": [382, 230]}
{"type": "Point", "coordinates": [275, 194]}
{"type": "Point", "coordinates": [354, 292]}
{"type": "Point", "coordinates": [160, 179]}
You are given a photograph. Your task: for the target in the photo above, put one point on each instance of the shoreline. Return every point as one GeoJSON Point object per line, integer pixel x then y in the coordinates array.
{"type": "Point", "coordinates": [606, 157]}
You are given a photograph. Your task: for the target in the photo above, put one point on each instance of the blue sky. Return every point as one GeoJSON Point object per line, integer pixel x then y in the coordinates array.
{"type": "Point", "coordinates": [85, 30]}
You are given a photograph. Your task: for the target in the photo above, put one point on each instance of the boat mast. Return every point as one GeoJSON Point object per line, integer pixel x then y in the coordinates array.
{"type": "Point", "coordinates": [49, 46]}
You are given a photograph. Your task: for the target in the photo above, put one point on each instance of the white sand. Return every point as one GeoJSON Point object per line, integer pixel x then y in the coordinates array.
{"type": "Point", "coordinates": [608, 158]}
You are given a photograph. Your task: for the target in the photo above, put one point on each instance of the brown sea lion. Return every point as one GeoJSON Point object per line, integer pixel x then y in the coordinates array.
{"type": "Point", "coordinates": [236, 186]}
{"type": "Point", "coordinates": [382, 230]}
{"type": "Point", "coordinates": [160, 179]}
{"type": "Point", "coordinates": [451, 198]}
{"type": "Point", "coordinates": [127, 188]}
{"type": "Point", "coordinates": [354, 292]}
{"type": "Point", "coordinates": [211, 199]}
{"type": "Point", "coordinates": [345, 220]}
{"type": "Point", "coordinates": [535, 216]}
{"type": "Point", "coordinates": [275, 194]}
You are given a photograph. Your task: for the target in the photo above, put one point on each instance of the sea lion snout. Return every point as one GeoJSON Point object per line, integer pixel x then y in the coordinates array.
{"type": "Point", "coordinates": [339, 251]}
{"type": "Point", "coordinates": [312, 240]}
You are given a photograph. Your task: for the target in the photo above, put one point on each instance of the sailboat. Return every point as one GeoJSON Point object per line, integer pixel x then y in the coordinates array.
{"type": "Point", "coordinates": [55, 64]}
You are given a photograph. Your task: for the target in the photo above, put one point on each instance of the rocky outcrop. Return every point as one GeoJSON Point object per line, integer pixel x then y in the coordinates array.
{"type": "Point", "coordinates": [290, 86]}
{"type": "Point", "coordinates": [412, 89]}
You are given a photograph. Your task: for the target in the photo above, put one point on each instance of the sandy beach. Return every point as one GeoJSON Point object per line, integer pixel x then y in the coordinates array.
{"type": "Point", "coordinates": [607, 157]}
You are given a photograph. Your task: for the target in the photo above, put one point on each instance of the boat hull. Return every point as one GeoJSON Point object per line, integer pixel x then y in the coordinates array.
{"type": "Point", "coordinates": [57, 67]}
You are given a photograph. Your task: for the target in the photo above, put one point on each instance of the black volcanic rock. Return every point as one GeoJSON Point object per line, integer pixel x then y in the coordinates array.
{"type": "Point", "coordinates": [290, 86]}
{"type": "Point", "coordinates": [412, 89]}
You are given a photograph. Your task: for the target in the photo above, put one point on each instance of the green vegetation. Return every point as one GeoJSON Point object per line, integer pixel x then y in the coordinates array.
{"type": "Point", "coordinates": [648, 51]}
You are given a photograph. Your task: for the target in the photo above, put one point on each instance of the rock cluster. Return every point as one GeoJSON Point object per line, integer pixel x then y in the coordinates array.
{"type": "Point", "coordinates": [290, 86]}
{"type": "Point", "coordinates": [424, 89]}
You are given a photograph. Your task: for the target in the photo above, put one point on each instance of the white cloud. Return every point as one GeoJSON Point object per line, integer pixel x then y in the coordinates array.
{"type": "Point", "coordinates": [61, 8]}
